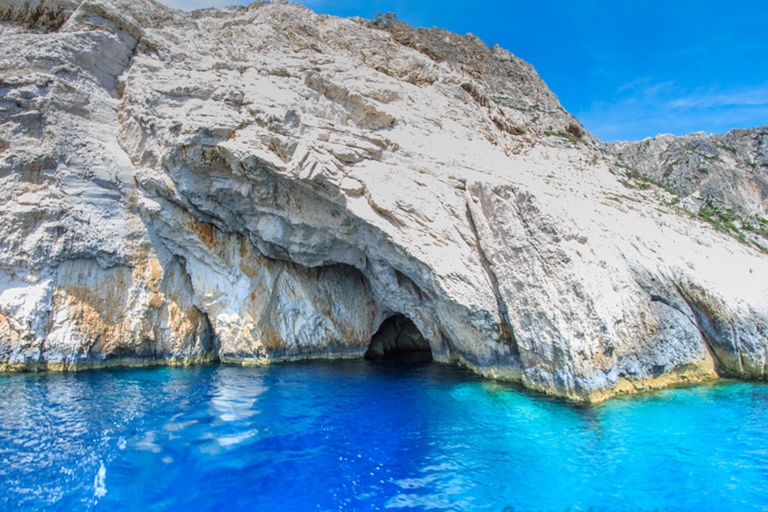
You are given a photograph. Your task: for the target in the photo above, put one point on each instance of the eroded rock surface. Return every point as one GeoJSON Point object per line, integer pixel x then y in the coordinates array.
{"type": "Point", "coordinates": [722, 179]}
{"type": "Point", "coordinates": [262, 183]}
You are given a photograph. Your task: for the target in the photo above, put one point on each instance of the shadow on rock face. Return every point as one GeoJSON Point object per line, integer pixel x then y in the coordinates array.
{"type": "Point", "coordinates": [399, 340]}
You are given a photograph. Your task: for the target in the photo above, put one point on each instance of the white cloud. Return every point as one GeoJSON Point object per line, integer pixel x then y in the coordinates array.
{"type": "Point", "coordinates": [751, 96]}
{"type": "Point", "coordinates": [644, 107]}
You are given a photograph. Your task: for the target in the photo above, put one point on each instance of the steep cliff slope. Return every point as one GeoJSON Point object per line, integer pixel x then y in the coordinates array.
{"type": "Point", "coordinates": [723, 179]}
{"type": "Point", "coordinates": [261, 183]}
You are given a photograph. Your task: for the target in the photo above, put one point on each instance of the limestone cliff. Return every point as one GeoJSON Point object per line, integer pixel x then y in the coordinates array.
{"type": "Point", "coordinates": [261, 183]}
{"type": "Point", "coordinates": [723, 179]}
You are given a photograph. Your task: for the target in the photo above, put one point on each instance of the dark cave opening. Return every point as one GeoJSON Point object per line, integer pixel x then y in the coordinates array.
{"type": "Point", "coordinates": [398, 340]}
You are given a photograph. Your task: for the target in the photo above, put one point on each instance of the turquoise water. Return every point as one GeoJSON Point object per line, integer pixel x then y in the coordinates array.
{"type": "Point", "coordinates": [354, 435]}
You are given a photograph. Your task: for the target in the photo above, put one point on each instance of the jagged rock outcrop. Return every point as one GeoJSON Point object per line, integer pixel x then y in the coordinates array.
{"type": "Point", "coordinates": [262, 183]}
{"type": "Point", "coordinates": [723, 179]}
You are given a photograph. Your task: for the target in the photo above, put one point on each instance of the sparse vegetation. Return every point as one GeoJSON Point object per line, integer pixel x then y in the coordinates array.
{"type": "Point", "coordinates": [472, 91]}
{"type": "Point", "coordinates": [504, 126]}
{"type": "Point", "coordinates": [702, 155]}
{"type": "Point", "coordinates": [642, 181]}
{"type": "Point", "coordinates": [760, 227]}
{"type": "Point", "coordinates": [751, 231]}
{"type": "Point", "coordinates": [720, 217]}
{"type": "Point", "coordinates": [386, 20]}
{"type": "Point", "coordinates": [533, 108]}
{"type": "Point", "coordinates": [728, 220]}
{"type": "Point", "coordinates": [41, 17]}
{"type": "Point", "coordinates": [626, 183]}
{"type": "Point", "coordinates": [619, 197]}
{"type": "Point", "coordinates": [564, 135]}
{"type": "Point", "coordinates": [575, 130]}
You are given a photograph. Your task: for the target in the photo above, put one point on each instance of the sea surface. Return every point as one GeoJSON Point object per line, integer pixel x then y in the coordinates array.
{"type": "Point", "coordinates": [356, 435]}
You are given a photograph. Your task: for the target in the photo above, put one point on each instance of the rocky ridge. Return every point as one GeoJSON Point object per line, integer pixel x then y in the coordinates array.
{"type": "Point", "coordinates": [263, 183]}
{"type": "Point", "coordinates": [722, 179]}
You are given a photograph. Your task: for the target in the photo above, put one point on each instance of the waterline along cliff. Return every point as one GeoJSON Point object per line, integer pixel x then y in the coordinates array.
{"type": "Point", "coordinates": [264, 183]}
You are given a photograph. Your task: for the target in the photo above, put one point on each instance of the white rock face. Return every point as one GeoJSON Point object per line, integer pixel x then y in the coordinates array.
{"type": "Point", "coordinates": [729, 168]}
{"type": "Point", "coordinates": [263, 183]}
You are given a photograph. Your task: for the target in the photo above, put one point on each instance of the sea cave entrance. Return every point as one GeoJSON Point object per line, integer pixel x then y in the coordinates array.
{"type": "Point", "coordinates": [398, 340]}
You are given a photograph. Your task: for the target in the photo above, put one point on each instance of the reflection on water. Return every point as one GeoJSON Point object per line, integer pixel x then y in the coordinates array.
{"type": "Point", "coordinates": [355, 435]}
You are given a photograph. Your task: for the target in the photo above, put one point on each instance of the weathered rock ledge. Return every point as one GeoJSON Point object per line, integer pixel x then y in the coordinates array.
{"type": "Point", "coordinates": [264, 183]}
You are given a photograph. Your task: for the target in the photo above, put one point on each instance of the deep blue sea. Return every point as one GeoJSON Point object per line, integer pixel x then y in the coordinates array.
{"type": "Point", "coordinates": [356, 435]}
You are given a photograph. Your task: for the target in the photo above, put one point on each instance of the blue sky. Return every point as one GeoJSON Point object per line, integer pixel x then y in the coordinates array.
{"type": "Point", "coordinates": [626, 69]}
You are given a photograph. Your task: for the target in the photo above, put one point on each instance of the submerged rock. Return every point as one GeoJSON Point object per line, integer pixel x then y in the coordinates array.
{"type": "Point", "coordinates": [263, 183]}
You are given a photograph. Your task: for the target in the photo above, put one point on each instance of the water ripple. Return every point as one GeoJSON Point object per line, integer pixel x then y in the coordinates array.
{"type": "Point", "coordinates": [355, 436]}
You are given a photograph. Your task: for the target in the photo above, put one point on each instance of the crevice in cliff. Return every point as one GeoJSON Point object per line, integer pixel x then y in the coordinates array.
{"type": "Point", "coordinates": [120, 83]}
{"type": "Point", "coordinates": [399, 340]}
{"type": "Point", "coordinates": [506, 331]}
{"type": "Point", "coordinates": [209, 341]}
{"type": "Point", "coordinates": [663, 300]}
{"type": "Point", "coordinates": [709, 342]}
{"type": "Point", "coordinates": [706, 323]}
